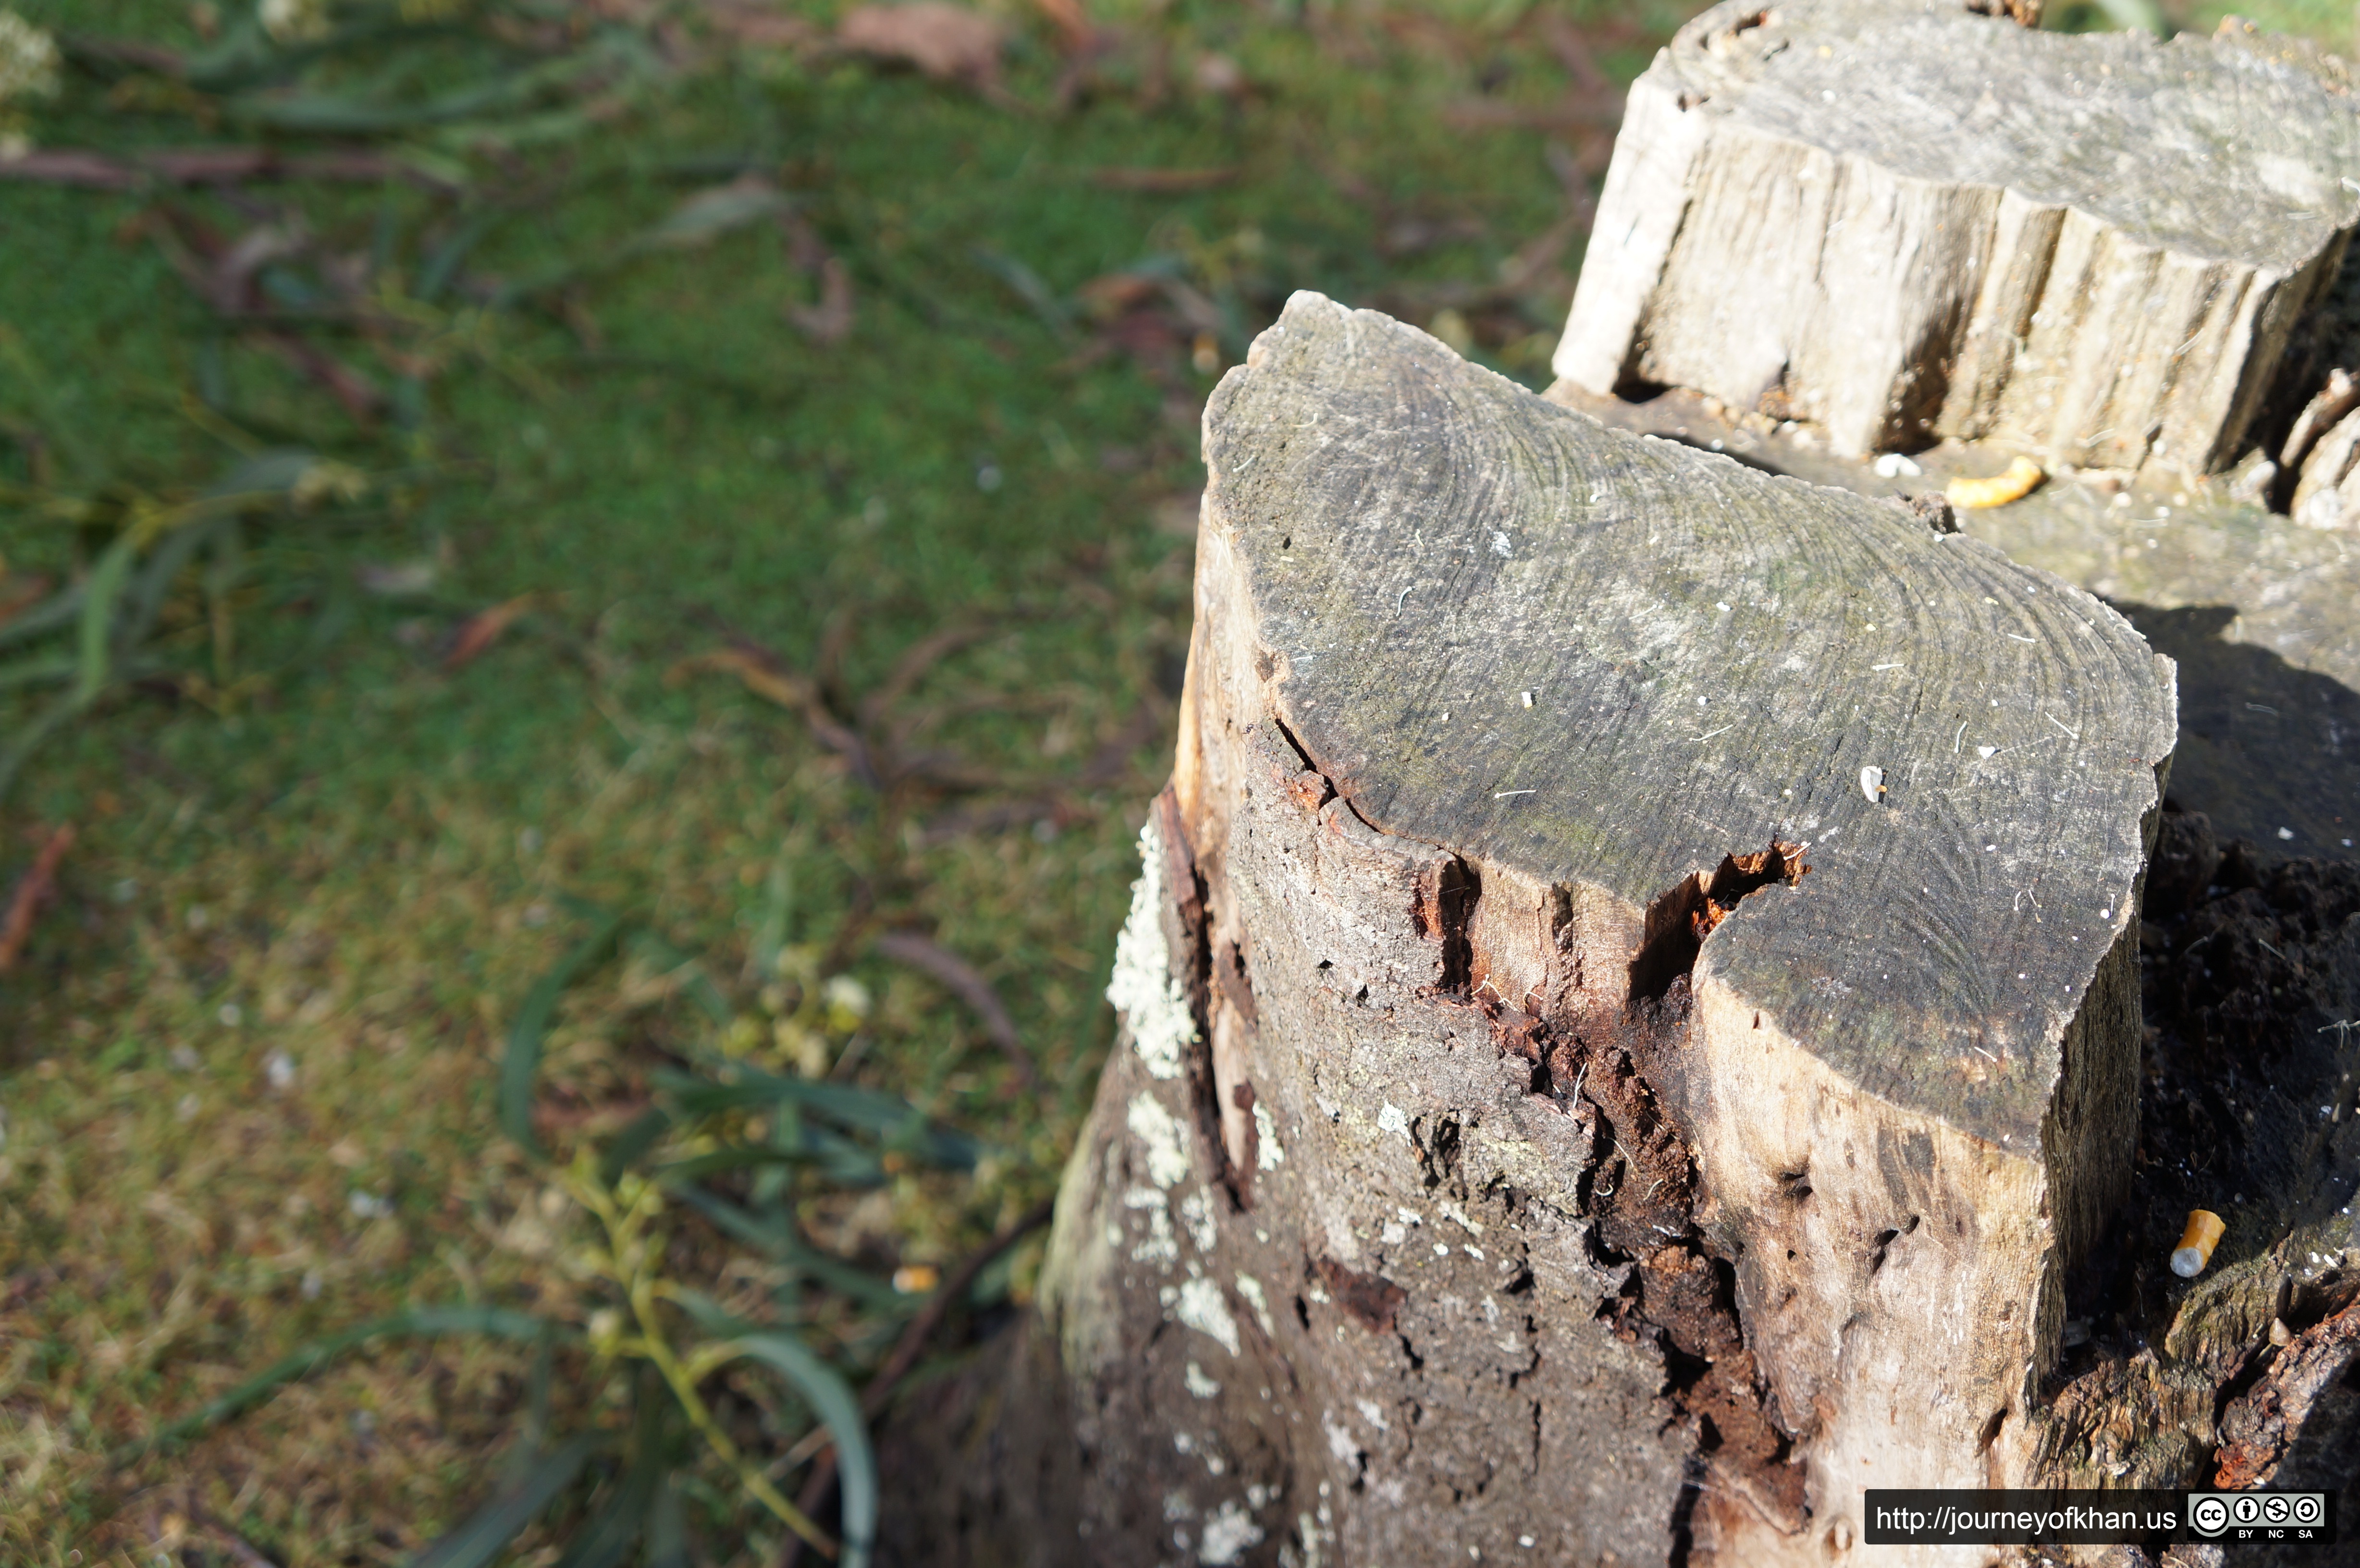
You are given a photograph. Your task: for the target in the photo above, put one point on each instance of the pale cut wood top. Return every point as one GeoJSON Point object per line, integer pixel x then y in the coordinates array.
{"type": "Point", "coordinates": [1713, 654]}
{"type": "Point", "coordinates": [2236, 148]}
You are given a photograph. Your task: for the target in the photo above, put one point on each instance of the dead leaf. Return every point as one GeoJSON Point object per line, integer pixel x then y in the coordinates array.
{"type": "Point", "coordinates": [39, 884]}
{"type": "Point", "coordinates": [947, 43]}
{"type": "Point", "coordinates": [481, 629]}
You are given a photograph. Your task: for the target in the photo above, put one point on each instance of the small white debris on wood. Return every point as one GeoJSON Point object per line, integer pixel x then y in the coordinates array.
{"type": "Point", "coordinates": [1199, 1385]}
{"type": "Point", "coordinates": [1528, 699]}
{"type": "Point", "coordinates": [1893, 465]}
{"type": "Point", "coordinates": [1392, 1117]}
{"type": "Point", "coordinates": [1141, 987]}
{"type": "Point", "coordinates": [1872, 783]}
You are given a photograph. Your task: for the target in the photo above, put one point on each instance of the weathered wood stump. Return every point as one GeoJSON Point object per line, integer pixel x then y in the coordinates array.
{"type": "Point", "coordinates": [1629, 1016]}
{"type": "Point", "coordinates": [1906, 221]}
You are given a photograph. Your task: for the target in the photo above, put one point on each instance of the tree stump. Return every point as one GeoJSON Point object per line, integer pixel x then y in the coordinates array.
{"type": "Point", "coordinates": [1906, 221]}
{"type": "Point", "coordinates": [1630, 1016]}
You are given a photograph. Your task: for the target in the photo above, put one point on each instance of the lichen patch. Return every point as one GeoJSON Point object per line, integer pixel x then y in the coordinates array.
{"type": "Point", "coordinates": [1142, 986]}
{"type": "Point", "coordinates": [1162, 1139]}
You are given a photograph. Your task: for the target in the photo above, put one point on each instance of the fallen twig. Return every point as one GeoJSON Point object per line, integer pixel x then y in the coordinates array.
{"type": "Point", "coordinates": [37, 886]}
{"type": "Point", "coordinates": [963, 981]}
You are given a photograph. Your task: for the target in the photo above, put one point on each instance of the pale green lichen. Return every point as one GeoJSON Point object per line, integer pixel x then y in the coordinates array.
{"type": "Point", "coordinates": [1227, 1535]}
{"type": "Point", "coordinates": [1199, 1305]}
{"type": "Point", "coordinates": [1251, 1288]}
{"type": "Point", "coordinates": [1268, 1155]}
{"type": "Point", "coordinates": [1141, 987]}
{"type": "Point", "coordinates": [1161, 1139]}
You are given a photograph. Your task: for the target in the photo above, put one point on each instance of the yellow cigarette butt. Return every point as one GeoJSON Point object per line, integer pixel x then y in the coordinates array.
{"type": "Point", "coordinates": [2196, 1243]}
{"type": "Point", "coordinates": [2018, 483]}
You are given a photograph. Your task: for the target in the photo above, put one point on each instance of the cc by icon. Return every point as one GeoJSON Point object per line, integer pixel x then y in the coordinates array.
{"type": "Point", "coordinates": [2209, 1515]}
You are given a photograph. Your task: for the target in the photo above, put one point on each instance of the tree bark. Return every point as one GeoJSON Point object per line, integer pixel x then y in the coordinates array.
{"type": "Point", "coordinates": [1567, 1111]}
{"type": "Point", "coordinates": [1908, 222]}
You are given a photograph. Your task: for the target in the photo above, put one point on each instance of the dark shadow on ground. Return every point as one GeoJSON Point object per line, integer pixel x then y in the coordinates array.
{"type": "Point", "coordinates": [2263, 744]}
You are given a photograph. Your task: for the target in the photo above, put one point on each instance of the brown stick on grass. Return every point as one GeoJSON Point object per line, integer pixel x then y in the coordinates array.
{"type": "Point", "coordinates": [36, 890]}
{"type": "Point", "coordinates": [962, 980]}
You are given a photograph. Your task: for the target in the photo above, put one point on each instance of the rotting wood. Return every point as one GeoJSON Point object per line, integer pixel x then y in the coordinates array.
{"type": "Point", "coordinates": [1906, 221]}
{"type": "Point", "coordinates": [1558, 1114]}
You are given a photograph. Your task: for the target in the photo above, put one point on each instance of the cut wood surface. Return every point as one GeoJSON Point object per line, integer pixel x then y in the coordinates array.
{"type": "Point", "coordinates": [1567, 1106]}
{"type": "Point", "coordinates": [2262, 618]}
{"type": "Point", "coordinates": [1906, 219]}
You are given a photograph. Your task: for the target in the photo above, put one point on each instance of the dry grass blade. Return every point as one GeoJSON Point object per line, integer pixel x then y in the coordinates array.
{"type": "Point", "coordinates": [963, 981]}
{"type": "Point", "coordinates": [39, 884]}
{"type": "Point", "coordinates": [481, 629]}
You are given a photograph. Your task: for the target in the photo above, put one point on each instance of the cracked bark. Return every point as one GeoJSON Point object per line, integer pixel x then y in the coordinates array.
{"type": "Point", "coordinates": [1557, 1116]}
{"type": "Point", "coordinates": [1907, 222]}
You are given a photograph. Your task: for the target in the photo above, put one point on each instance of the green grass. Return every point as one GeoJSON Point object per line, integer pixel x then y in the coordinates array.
{"type": "Point", "coordinates": [327, 845]}
{"type": "Point", "coordinates": [302, 840]}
